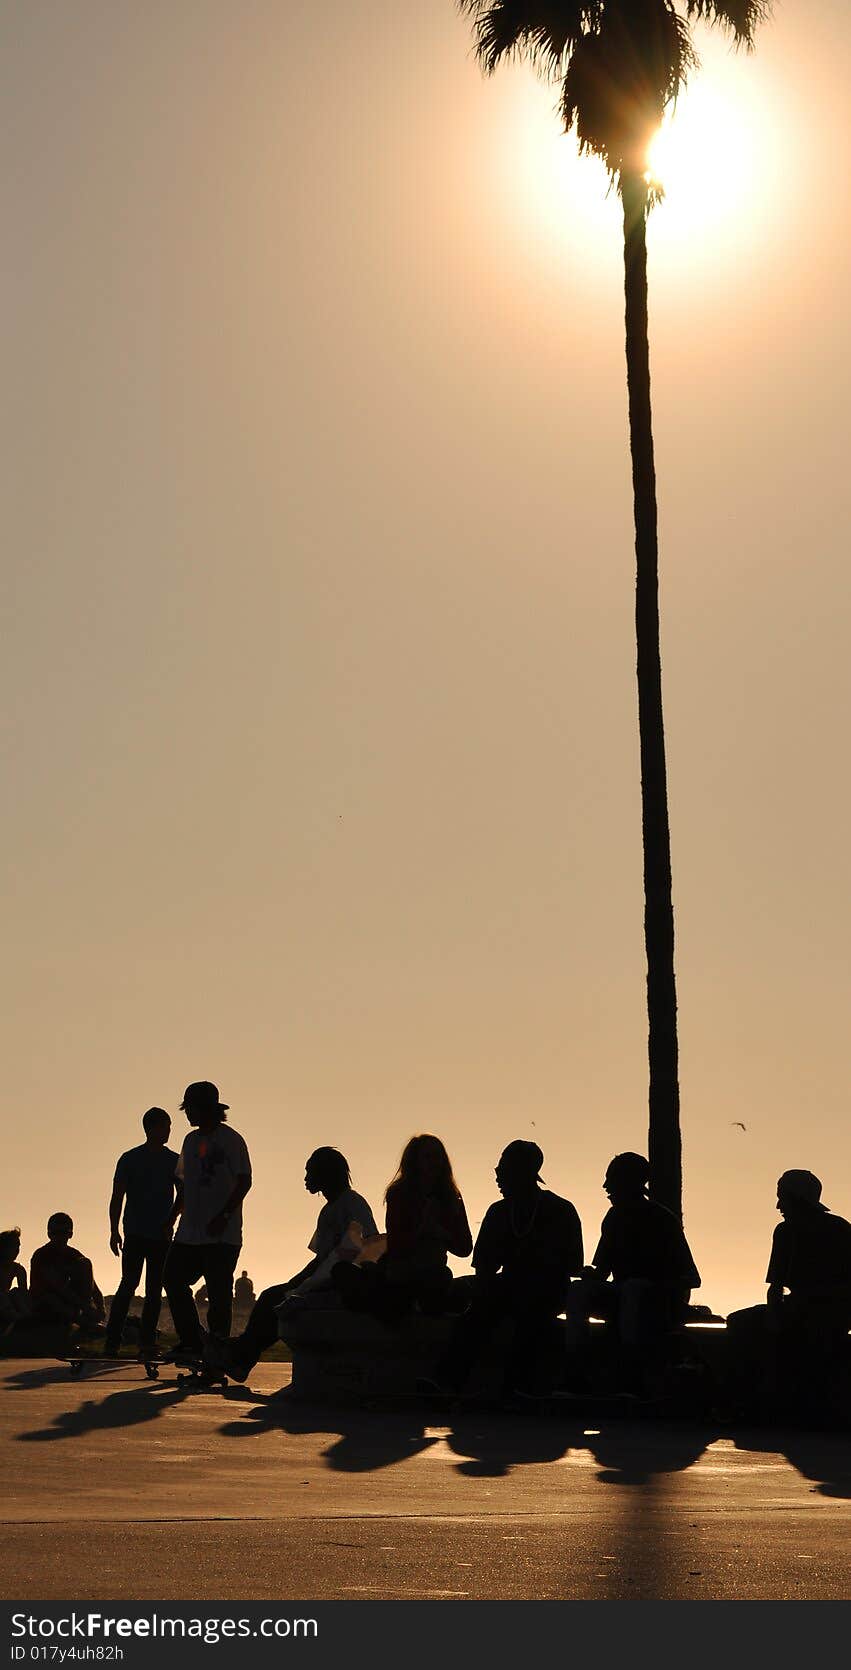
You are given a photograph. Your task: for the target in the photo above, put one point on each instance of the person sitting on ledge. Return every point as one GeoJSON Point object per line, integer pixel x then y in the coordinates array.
{"type": "Point", "coordinates": [62, 1283]}
{"type": "Point", "coordinates": [344, 1222]}
{"type": "Point", "coordinates": [643, 1272]}
{"type": "Point", "coordinates": [528, 1247]}
{"type": "Point", "coordinates": [426, 1220]}
{"type": "Point", "coordinates": [14, 1298]}
{"type": "Point", "coordinates": [792, 1348]}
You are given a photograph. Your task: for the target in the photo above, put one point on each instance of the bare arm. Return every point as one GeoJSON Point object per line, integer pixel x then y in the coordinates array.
{"type": "Point", "coordinates": [177, 1208]}
{"type": "Point", "coordinates": [115, 1205]}
{"type": "Point", "coordinates": [237, 1194]}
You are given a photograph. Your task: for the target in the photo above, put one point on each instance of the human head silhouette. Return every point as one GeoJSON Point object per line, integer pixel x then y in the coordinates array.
{"type": "Point", "coordinates": [10, 1245]}
{"type": "Point", "coordinates": [425, 1167]}
{"type": "Point", "coordinates": [626, 1178]}
{"type": "Point", "coordinates": [60, 1228]}
{"type": "Point", "coordinates": [156, 1124]}
{"type": "Point", "coordinates": [799, 1192]}
{"type": "Point", "coordinates": [201, 1104]}
{"type": "Point", "coordinates": [326, 1172]}
{"type": "Point", "coordinates": [518, 1170]}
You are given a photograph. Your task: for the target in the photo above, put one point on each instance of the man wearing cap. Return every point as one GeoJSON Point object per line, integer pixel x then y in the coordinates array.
{"type": "Point", "coordinates": [528, 1247]}
{"type": "Point", "coordinates": [796, 1342]}
{"type": "Point", "coordinates": [213, 1177]}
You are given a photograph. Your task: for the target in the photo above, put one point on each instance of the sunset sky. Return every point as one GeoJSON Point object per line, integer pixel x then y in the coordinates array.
{"type": "Point", "coordinates": [321, 754]}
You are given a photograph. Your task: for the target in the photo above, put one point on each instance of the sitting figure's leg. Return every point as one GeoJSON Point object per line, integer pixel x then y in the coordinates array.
{"type": "Point", "coordinates": [471, 1333]}
{"type": "Point", "coordinates": [87, 1297]}
{"type": "Point", "coordinates": [750, 1358]}
{"type": "Point", "coordinates": [260, 1331]}
{"type": "Point", "coordinates": [534, 1365]}
{"type": "Point", "coordinates": [642, 1317]}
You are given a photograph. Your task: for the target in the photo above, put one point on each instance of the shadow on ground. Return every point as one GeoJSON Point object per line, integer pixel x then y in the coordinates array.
{"type": "Point", "coordinates": [487, 1443]}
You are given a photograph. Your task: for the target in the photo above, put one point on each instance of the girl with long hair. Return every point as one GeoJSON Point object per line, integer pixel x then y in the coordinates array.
{"type": "Point", "coordinates": [426, 1221]}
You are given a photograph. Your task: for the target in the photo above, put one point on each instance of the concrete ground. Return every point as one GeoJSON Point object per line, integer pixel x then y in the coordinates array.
{"type": "Point", "coordinates": [119, 1488]}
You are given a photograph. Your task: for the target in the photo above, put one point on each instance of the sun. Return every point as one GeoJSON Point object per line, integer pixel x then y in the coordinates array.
{"type": "Point", "coordinates": [725, 157]}
{"type": "Point", "coordinates": [704, 149]}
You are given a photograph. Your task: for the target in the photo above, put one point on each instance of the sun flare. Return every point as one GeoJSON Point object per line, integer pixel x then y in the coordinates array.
{"type": "Point", "coordinates": [723, 158]}
{"type": "Point", "coordinates": [703, 148]}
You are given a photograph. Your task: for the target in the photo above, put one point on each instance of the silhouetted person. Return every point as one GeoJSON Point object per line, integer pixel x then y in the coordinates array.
{"type": "Point", "coordinates": [795, 1345]}
{"type": "Point", "coordinates": [14, 1295]}
{"type": "Point", "coordinates": [343, 1223]}
{"type": "Point", "coordinates": [62, 1284]}
{"type": "Point", "coordinates": [145, 1185]}
{"type": "Point", "coordinates": [243, 1294]}
{"type": "Point", "coordinates": [528, 1247]}
{"type": "Point", "coordinates": [213, 1176]}
{"type": "Point", "coordinates": [643, 1271]}
{"type": "Point", "coordinates": [425, 1222]}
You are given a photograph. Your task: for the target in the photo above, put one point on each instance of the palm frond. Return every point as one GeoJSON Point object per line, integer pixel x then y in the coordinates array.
{"type": "Point", "coordinates": [542, 31]}
{"type": "Point", "coordinates": [739, 16]}
{"type": "Point", "coordinates": [620, 79]}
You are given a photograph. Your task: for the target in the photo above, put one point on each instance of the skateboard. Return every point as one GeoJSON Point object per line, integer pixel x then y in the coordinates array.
{"type": "Point", "coordinates": [151, 1365]}
{"type": "Point", "coordinates": [199, 1377]}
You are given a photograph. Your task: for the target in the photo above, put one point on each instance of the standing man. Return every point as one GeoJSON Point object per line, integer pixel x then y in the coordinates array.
{"type": "Point", "coordinates": [145, 1185]}
{"type": "Point", "coordinates": [213, 1176]}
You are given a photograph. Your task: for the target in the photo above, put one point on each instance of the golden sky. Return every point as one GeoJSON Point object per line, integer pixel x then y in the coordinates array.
{"type": "Point", "coordinates": [321, 752]}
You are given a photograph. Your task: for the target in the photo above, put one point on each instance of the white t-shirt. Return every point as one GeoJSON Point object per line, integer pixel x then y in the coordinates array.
{"type": "Point", "coordinates": [209, 1164]}
{"type": "Point", "coordinates": [334, 1220]}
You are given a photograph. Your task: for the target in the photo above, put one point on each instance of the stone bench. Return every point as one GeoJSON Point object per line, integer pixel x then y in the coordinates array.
{"type": "Point", "coordinates": [343, 1354]}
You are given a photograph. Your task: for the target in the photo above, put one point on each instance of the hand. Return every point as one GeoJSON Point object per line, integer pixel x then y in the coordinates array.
{"type": "Point", "coordinates": [115, 1243]}
{"type": "Point", "coordinates": [216, 1225]}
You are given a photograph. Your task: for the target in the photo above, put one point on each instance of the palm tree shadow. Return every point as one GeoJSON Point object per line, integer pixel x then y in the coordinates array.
{"type": "Point", "coordinates": [365, 1443]}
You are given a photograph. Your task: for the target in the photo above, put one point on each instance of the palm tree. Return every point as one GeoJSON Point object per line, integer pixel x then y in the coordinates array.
{"type": "Point", "coordinates": [620, 63]}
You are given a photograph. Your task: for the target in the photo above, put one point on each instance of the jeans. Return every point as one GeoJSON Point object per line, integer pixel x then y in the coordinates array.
{"type": "Point", "coordinates": [213, 1262]}
{"type": "Point", "coordinates": [138, 1253]}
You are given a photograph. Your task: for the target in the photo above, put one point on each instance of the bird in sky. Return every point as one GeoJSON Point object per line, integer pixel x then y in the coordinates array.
{"type": "Point", "coordinates": [738, 1124]}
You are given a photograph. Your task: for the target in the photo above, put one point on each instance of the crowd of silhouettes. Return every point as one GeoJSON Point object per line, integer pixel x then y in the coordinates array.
{"type": "Point", "coordinates": [177, 1219]}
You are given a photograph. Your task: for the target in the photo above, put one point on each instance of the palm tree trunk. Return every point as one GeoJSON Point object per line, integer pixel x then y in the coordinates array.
{"type": "Point", "coordinates": [665, 1150]}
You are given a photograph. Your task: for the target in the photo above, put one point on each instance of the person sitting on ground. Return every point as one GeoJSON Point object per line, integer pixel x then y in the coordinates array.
{"type": "Point", "coordinates": [146, 1186]}
{"type": "Point", "coordinates": [643, 1271]}
{"type": "Point", "coordinates": [344, 1222]}
{"type": "Point", "coordinates": [213, 1176]}
{"type": "Point", "coordinates": [528, 1247]}
{"type": "Point", "coordinates": [62, 1284]}
{"type": "Point", "coordinates": [794, 1346]}
{"type": "Point", "coordinates": [426, 1221]}
{"type": "Point", "coordinates": [14, 1297]}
